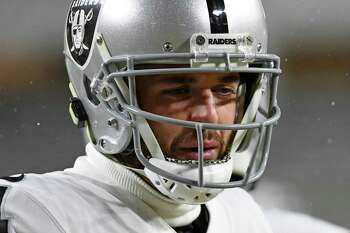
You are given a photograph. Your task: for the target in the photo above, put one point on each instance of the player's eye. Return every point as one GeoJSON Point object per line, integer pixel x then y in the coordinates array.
{"type": "Point", "coordinates": [226, 91]}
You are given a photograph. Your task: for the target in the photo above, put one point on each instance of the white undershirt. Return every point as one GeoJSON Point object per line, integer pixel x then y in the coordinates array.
{"type": "Point", "coordinates": [97, 166]}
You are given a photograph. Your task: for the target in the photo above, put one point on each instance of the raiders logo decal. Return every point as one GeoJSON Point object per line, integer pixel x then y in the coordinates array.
{"type": "Point", "coordinates": [81, 24]}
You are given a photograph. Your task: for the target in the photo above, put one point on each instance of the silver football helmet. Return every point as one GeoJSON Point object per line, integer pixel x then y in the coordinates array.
{"type": "Point", "coordinates": [115, 38]}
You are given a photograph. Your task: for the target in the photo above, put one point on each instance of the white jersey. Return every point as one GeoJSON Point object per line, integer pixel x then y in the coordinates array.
{"type": "Point", "coordinates": [283, 221]}
{"type": "Point", "coordinates": [89, 199]}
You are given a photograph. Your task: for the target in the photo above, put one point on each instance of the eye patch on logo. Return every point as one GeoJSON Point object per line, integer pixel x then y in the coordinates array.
{"type": "Point", "coordinates": [81, 24]}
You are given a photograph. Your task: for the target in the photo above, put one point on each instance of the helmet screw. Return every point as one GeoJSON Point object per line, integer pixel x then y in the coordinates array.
{"type": "Point", "coordinates": [200, 40]}
{"type": "Point", "coordinates": [259, 47]}
{"type": "Point", "coordinates": [102, 143]}
{"type": "Point", "coordinates": [106, 92]}
{"type": "Point", "coordinates": [168, 47]}
{"type": "Point", "coordinates": [250, 40]}
{"type": "Point", "coordinates": [113, 123]}
{"type": "Point", "coordinates": [99, 40]}
{"type": "Point", "coordinates": [120, 107]}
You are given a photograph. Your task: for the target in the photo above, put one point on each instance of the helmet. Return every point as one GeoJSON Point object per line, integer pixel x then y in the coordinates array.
{"type": "Point", "coordinates": [109, 44]}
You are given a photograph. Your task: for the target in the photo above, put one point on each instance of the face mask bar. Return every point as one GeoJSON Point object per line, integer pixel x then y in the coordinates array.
{"type": "Point", "coordinates": [106, 85]}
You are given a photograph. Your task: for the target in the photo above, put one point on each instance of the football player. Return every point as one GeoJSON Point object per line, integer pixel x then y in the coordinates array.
{"type": "Point", "coordinates": [177, 100]}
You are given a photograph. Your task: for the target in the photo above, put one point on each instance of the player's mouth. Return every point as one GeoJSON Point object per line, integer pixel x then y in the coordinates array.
{"type": "Point", "coordinates": [190, 151]}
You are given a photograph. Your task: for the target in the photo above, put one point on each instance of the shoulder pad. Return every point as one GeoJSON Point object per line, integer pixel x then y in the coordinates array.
{"type": "Point", "coordinates": [13, 179]}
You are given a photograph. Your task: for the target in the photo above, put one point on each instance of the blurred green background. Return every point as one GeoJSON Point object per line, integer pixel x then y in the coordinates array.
{"type": "Point", "coordinates": [310, 154]}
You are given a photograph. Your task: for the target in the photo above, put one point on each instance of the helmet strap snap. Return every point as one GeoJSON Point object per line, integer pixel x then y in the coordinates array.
{"type": "Point", "coordinates": [77, 112]}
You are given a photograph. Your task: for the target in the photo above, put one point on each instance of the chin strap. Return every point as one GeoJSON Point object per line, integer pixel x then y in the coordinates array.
{"type": "Point", "coordinates": [80, 123]}
{"type": "Point", "coordinates": [73, 116]}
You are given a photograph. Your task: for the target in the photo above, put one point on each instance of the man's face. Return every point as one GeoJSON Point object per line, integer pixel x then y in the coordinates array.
{"type": "Point", "coordinates": [205, 97]}
{"type": "Point", "coordinates": [78, 36]}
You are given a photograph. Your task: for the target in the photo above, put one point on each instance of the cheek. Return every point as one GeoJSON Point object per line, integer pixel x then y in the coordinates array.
{"type": "Point", "coordinates": [227, 113]}
{"type": "Point", "coordinates": [165, 134]}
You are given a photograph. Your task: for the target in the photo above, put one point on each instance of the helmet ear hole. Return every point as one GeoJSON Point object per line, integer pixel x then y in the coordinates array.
{"type": "Point", "coordinates": [91, 97]}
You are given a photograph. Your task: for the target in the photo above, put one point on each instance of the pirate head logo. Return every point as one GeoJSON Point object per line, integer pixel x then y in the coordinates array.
{"type": "Point", "coordinates": [78, 21]}
{"type": "Point", "coordinates": [81, 24]}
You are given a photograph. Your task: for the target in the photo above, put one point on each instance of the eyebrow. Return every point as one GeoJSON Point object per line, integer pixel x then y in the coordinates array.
{"type": "Point", "coordinates": [186, 80]}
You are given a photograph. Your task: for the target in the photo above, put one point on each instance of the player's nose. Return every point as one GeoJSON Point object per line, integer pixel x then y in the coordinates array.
{"type": "Point", "coordinates": [204, 107]}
